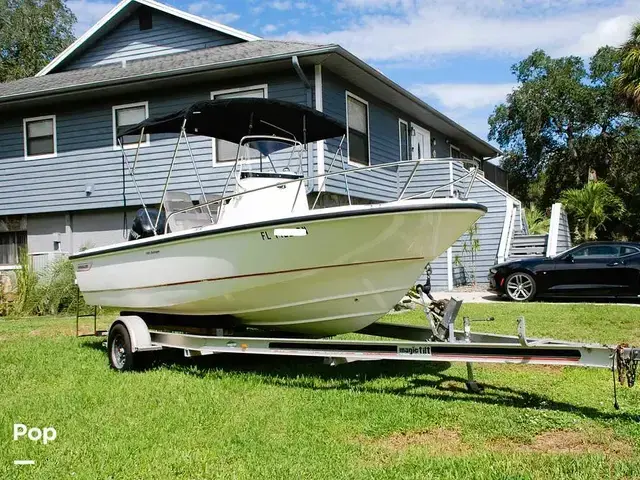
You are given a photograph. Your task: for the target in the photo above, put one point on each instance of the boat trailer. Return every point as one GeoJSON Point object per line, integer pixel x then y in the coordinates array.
{"type": "Point", "coordinates": [129, 335]}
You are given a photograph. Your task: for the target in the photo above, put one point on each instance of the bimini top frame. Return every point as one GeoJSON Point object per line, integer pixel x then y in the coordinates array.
{"type": "Point", "coordinates": [272, 126]}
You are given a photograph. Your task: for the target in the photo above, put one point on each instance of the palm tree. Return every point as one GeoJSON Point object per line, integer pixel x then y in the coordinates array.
{"type": "Point", "coordinates": [590, 207]}
{"type": "Point", "coordinates": [628, 83]}
{"type": "Point", "coordinates": [537, 221]}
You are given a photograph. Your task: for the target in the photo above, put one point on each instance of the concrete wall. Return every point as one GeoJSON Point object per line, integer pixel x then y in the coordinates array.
{"type": "Point", "coordinates": [77, 230]}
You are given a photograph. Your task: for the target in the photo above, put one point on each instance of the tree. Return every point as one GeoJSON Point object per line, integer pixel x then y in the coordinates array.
{"type": "Point", "coordinates": [544, 117]}
{"type": "Point", "coordinates": [628, 83]}
{"type": "Point", "coordinates": [590, 207]}
{"type": "Point", "coordinates": [565, 120]}
{"type": "Point", "coordinates": [32, 33]}
{"type": "Point", "coordinates": [537, 221]}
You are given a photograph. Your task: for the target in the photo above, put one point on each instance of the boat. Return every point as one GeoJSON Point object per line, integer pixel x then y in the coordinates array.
{"type": "Point", "coordinates": [262, 255]}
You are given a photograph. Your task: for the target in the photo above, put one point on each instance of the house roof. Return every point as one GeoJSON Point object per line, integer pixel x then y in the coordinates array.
{"type": "Point", "coordinates": [260, 50]}
{"type": "Point", "coordinates": [121, 10]}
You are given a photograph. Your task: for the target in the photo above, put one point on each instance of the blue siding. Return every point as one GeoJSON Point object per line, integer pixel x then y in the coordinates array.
{"type": "Point", "coordinates": [384, 144]}
{"type": "Point", "coordinates": [168, 35]}
{"type": "Point", "coordinates": [489, 226]}
{"type": "Point", "coordinates": [86, 155]}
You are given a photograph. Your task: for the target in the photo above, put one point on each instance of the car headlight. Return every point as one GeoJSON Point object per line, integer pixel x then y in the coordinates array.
{"type": "Point", "coordinates": [493, 271]}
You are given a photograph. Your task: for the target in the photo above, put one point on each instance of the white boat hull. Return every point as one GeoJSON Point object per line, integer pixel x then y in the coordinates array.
{"type": "Point", "coordinates": [348, 267]}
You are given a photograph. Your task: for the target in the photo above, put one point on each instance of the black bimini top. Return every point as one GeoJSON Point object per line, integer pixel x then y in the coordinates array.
{"type": "Point", "coordinates": [233, 118]}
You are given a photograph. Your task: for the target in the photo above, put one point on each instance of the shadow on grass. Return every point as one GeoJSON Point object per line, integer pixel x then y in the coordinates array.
{"type": "Point", "coordinates": [418, 379]}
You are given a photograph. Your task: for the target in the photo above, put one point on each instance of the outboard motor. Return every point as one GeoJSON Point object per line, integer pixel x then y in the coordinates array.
{"type": "Point", "coordinates": [141, 227]}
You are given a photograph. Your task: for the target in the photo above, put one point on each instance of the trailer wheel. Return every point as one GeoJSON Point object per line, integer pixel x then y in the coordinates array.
{"type": "Point", "coordinates": [119, 348]}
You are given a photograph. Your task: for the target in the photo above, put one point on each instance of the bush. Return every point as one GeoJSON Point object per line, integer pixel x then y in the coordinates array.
{"type": "Point", "coordinates": [49, 292]}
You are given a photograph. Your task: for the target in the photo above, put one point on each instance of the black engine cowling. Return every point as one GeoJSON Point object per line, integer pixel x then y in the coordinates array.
{"type": "Point", "coordinates": [141, 228]}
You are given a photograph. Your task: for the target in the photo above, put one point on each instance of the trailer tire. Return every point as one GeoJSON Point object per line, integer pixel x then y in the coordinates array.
{"type": "Point", "coordinates": [121, 356]}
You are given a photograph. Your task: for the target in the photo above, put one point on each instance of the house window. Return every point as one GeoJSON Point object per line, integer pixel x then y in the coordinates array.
{"type": "Point", "coordinates": [454, 152]}
{"type": "Point", "coordinates": [10, 245]}
{"type": "Point", "coordinates": [224, 151]}
{"type": "Point", "coordinates": [404, 140]}
{"type": "Point", "coordinates": [40, 137]}
{"type": "Point", "coordinates": [358, 129]}
{"type": "Point", "coordinates": [127, 115]}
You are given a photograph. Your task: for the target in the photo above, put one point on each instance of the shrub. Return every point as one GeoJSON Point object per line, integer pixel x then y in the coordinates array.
{"type": "Point", "coordinates": [49, 292]}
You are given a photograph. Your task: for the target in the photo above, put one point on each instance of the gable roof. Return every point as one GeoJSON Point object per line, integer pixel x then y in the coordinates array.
{"type": "Point", "coordinates": [124, 8]}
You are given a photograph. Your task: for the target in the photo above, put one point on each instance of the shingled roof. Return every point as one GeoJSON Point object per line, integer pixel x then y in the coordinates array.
{"type": "Point", "coordinates": [207, 57]}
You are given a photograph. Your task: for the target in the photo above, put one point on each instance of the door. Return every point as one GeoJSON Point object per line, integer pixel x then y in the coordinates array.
{"type": "Point", "coordinates": [420, 143]}
{"type": "Point", "coordinates": [591, 270]}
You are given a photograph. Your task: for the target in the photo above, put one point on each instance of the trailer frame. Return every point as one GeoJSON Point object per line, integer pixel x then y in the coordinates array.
{"type": "Point", "coordinates": [437, 342]}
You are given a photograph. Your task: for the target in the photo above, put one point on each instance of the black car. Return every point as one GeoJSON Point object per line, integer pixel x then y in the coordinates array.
{"type": "Point", "coordinates": [590, 270]}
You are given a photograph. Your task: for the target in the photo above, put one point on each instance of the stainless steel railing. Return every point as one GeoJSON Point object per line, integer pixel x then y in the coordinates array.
{"type": "Point", "coordinates": [430, 193]}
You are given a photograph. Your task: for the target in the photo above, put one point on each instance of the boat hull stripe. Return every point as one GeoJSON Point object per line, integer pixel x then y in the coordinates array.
{"type": "Point", "coordinates": [247, 275]}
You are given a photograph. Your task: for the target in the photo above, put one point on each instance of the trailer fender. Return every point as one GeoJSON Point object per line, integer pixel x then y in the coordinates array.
{"type": "Point", "coordinates": [138, 332]}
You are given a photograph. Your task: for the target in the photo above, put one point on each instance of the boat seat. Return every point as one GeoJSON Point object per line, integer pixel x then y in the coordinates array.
{"type": "Point", "coordinates": [213, 207]}
{"type": "Point", "coordinates": [176, 201]}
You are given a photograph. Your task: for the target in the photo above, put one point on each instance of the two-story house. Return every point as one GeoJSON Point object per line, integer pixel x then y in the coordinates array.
{"type": "Point", "coordinates": [61, 172]}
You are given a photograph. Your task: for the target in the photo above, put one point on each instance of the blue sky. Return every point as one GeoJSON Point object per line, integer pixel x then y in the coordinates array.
{"type": "Point", "coordinates": [455, 54]}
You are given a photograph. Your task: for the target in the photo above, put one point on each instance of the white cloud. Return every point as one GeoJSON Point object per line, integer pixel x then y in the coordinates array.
{"type": "Point", "coordinates": [228, 17]}
{"type": "Point", "coordinates": [269, 28]}
{"type": "Point", "coordinates": [212, 11]}
{"type": "Point", "coordinates": [464, 95]}
{"type": "Point", "coordinates": [204, 7]}
{"type": "Point", "coordinates": [88, 13]}
{"type": "Point", "coordinates": [431, 28]}
{"type": "Point", "coordinates": [281, 5]}
{"type": "Point", "coordinates": [612, 31]}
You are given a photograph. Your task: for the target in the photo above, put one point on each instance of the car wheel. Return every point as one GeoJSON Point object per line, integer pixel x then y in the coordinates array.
{"type": "Point", "coordinates": [520, 287]}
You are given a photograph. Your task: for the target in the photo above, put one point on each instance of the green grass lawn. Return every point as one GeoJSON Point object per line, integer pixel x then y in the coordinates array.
{"type": "Point", "coordinates": [268, 417]}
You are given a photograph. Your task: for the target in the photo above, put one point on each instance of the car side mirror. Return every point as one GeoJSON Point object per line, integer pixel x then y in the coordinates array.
{"type": "Point", "coordinates": [568, 258]}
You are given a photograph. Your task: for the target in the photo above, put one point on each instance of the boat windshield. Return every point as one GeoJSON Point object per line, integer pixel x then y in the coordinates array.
{"type": "Point", "coordinates": [270, 153]}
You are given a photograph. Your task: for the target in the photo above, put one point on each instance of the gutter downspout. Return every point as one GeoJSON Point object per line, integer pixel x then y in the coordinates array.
{"type": "Point", "coordinates": [307, 85]}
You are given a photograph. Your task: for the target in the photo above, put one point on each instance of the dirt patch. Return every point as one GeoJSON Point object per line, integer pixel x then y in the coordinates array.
{"type": "Point", "coordinates": [570, 442]}
{"type": "Point", "coordinates": [438, 441]}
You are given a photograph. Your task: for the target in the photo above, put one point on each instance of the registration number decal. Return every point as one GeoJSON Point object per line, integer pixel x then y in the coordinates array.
{"type": "Point", "coordinates": [279, 233]}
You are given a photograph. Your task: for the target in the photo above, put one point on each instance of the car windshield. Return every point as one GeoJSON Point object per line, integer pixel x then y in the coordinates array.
{"type": "Point", "coordinates": [557, 255]}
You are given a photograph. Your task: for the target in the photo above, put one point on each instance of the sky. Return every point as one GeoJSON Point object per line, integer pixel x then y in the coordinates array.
{"type": "Point", "coordinates": [454, 54]}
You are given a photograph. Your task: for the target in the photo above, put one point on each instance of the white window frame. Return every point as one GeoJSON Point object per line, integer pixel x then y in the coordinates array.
{"type": "Point", "coordinates": [147, 140]}
{"type": "Point", "coordinates": [400, 123]}
{"type": "Point", "coordinates": [265, 90]}
{"type": "Point", "coordinates": [346, 108]}
{"type": "Point", "coordinates": [55, 137]}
